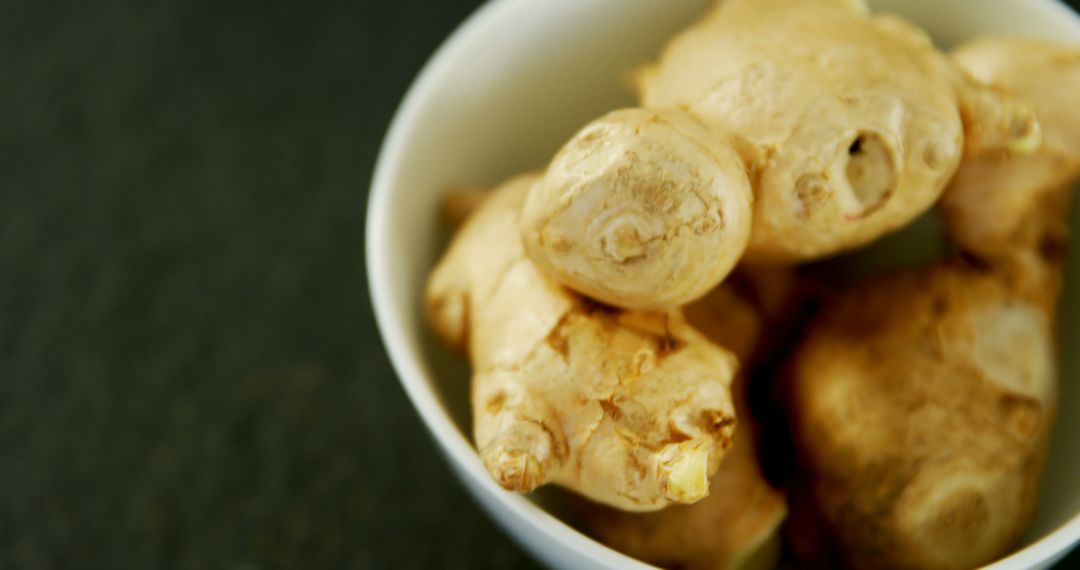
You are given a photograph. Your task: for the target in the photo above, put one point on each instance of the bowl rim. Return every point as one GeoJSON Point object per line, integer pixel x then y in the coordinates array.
{"type": "Point", "coordinates": [453, 443]}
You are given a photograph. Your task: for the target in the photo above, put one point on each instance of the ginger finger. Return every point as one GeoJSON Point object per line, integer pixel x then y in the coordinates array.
{"type": "Point", "coordinates": [736, 526]}
{"type": "Point", "coordinates": [629, 409]}
{"type": "Point", "coordinates": [640, 210]}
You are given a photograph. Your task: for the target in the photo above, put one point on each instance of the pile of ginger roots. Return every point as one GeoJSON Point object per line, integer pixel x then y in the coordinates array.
{"type": "Point", "coordinates": [620, 307]}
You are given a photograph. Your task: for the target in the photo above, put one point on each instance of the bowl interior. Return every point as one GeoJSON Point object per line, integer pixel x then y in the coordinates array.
{"type": "Point", "coordinates": [514, 83]}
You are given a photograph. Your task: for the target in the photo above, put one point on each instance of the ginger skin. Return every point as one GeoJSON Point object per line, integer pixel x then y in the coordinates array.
{"type": "Point", "coordinates": [922, 402]}
{"type": "Point", "coordinates": [921, 405]}
{"type": "Point", "coordinates": [844, 126]}
{"type": "Point", "coordinates": [640, 210]}
{"type": "Point", "coordinates": [1000, 207]}
{"type": "Point", "coordinates": [736, 526]}
{"type": "Point", "coordinates": [629, 409]}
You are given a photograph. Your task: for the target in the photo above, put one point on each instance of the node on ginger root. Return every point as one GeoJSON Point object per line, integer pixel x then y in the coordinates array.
{"type": "Point", "coordinates": [629, 409]}
{"type": "Point", "coordinates": [1001, 206]}
{"type": "Point", "coordinates": [737, 525]}
{"type": "Point", "coordinates": [831, 126]}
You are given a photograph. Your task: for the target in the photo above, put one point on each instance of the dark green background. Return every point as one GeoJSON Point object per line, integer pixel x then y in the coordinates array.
{"type": "Point", "coordinates": [190, 375]}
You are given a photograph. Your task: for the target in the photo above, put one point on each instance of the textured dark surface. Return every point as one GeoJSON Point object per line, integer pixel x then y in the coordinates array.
{"type": "Point", "coordinates": [189, 371]}
{"type": "Point", "coordinates": [190, 375]}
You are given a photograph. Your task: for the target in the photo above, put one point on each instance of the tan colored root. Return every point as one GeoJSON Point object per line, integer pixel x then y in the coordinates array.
{"type": "Point", "coordinates": [629, 409]}
{"type": "Point", "coordinates": [640, 210]}
{"type": "Point", "coordinates": [728, 319]}
{"type": "Point", "coordinates": [1041, 72]}
{"type": "Point", "coordinates": [1008, 209]}
{"type": "Point", "coordinates": [736, 525]}
{"type": "Point", "coordinates": [921, 408]}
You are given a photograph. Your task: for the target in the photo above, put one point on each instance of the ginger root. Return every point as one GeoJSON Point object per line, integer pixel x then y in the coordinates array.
{"type": "Point", "coordinates": [736, 526]}
{"type": "Point", "coordinates": [642, 209]}
{"type": "Point", "coordinates": [922, 402]}
{"type": "Point", "coordinates": [921, 405]}
{"type": "Point", "coordinates": [843, 126]}
{"type": "Point", "coordinates": [1000, 206]}
{"type": "Point", "coordinates": [629, 409]}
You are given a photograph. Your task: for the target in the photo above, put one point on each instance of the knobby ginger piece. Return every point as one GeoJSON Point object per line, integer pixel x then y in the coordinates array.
{"type": "Point", "coordinates": [833, 127]}
{"type": "Point", "coordinates": [999, 206]}
{"type": "Point", "coordinates": [736, 526]}
{"type": "Point", "coordinates": [921, 405]}
{"type": "Point", "coordinates": [629, 409]}
{"type": "Point", "coordinates": [642, 209]}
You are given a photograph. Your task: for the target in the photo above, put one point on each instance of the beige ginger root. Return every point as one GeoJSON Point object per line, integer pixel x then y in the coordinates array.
{"type": "Point", "coordinates": [629, 409]}
{"type": "Point", "coordinates": [921, 408]}
{"type": "Point", "coordinates": [736, 526]}
{"type": "Point", "coordinates": [991, 206]}
{"type": "Point", "coordinates": [845, 126]}
{"type": "Point", "coordinates": [641, 209]}
{"type": "Point", "coordinates": [922, 402]}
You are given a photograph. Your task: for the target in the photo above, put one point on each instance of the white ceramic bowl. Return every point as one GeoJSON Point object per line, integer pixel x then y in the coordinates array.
{"type": "Point", "coordinates": [499, 97]}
